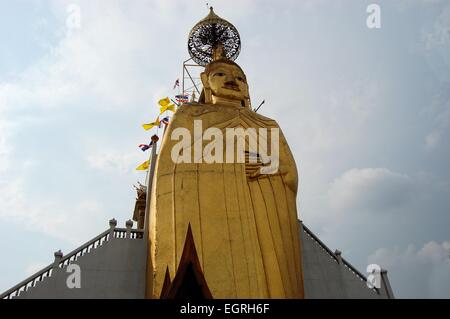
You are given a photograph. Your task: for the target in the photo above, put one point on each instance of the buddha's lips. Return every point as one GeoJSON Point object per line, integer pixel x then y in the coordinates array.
{"type": "Point", "coordinates": [233, 87]}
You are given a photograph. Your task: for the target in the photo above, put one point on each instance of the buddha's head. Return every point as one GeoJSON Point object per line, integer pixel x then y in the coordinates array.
{"type": "Point", "coordinates": [224, 81]}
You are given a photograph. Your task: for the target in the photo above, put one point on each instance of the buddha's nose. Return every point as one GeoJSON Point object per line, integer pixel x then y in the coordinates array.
{"type": "Point", "coordinates": [229, 78]}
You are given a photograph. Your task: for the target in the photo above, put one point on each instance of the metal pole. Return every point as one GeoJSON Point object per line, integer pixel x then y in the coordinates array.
{"type": "Point", "coordinates": [146, 238]}
{"type": "Point", "coordinates": [183, 78]}
{"type": "Point", "coordinates": [149, 185]}
{"type": "Point", "coordinates": [260, 105]}
{"type": "Point", "coordinates": [193, 82]}
{"type": "Point", "coordinates": [184, 68]}
{"type": "Point", "coordinates": [175, 102]}
{"type": "Point", "coordinates": [146, 179]}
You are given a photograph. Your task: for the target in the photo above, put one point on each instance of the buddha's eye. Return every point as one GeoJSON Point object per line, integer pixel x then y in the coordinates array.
{"type": "Point", "coordinates": [219, 74]}
{"type": "Point", "coordinates": [239, 78]}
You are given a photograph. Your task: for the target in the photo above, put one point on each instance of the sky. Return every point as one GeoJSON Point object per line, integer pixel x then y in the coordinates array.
{"type": "Point", "coordinates": [366, 112]}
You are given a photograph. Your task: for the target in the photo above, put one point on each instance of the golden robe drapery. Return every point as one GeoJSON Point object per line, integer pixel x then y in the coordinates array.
{"type": "Point", "coordinates": [245, 230]}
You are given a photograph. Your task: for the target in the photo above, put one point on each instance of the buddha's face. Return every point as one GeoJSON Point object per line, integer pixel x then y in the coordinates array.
{"type": "Point", "coordinates": [227, 81]}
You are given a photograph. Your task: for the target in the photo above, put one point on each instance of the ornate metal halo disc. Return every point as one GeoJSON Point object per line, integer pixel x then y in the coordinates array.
{"type": "Point", "coordinates": [208, 34]}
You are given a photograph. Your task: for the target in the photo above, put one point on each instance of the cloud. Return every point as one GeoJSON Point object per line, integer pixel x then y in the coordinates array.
{"type": "Point", "coordinates": [63, 219]}
{"type": "Point", "coordinates": [370, 189]}
{"type": "Point", "coordinates": [364, 209]}
{"type": "Point", "coordinates": [34, 267]}
{"type": "Point", "coordinates": [417, 273]}
{"type": "Point", "coordinates": [439, 34]}
{"type": "Point", "coordinates": [335, 119]}
{"type": "Point", "coordinates": [433, 139]}
{"type": "Point", "coordinates": [441, 123]}
{"type": "Point", "coordinates": [105, 66]}
{"type": "Point", "coordinates": [113, 162]}
{"type": "Point", "coordinates": [334, 87]}
{"type": "Point", "coordinates": [5, 148]}
{"type": "Point", "coordinates": [103, 60]}
{"type": "Point", "coordinates": [79, 97]}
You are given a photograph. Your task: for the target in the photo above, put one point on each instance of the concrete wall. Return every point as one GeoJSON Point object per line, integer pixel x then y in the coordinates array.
{"type": "Point", "coordinates": [326, 278]}
{"type": "Point", "coordinates": [116, 269]}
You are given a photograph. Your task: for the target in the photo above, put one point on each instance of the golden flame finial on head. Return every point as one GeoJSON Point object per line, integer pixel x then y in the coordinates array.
{"type": "Point", "coordinates": [218, 51]}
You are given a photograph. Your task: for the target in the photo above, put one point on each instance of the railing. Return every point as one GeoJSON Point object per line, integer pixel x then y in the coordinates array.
{"type": "Point", "coordinates": [354, 270]}
{"type": "Point", "coordinates": [334, 256]}
{"type": "Point", "coordinates": [62, 261]}
{"type": "Point", "coordinates": [321, 244]}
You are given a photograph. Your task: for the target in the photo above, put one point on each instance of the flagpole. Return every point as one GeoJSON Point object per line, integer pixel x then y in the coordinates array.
{"type": "Point", "coordinates": [165, 128]}
{"type": "Point", "coordinates": [174, 103]}
{"type": "Point", "coordinates": [150, 174]}
{"type": "Point", "coordinates": [146, 177]}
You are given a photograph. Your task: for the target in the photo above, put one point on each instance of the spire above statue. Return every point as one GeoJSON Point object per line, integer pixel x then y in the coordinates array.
{"type": "Point", "coordinates": [213, 38]}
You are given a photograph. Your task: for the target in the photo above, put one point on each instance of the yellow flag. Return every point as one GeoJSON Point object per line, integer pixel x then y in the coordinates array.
{"type": "Point", "coordinates": [164, 102]}
{"type": "Point", "coordinates": [170, 107]}
{"type": "Point", "coordinates": [144, 166]}
{"type": "Point", "coordinates": [151, 125]}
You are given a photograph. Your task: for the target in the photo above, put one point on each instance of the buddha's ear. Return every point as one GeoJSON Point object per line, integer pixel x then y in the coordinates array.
{"type": "Point", "coordinates": [204, 78]}
{"type": "Point", "coordinates": [201, 99]}
{"type": "Point", "coordinates": [247, 102]}
{"type": "Point", "coordinates": [206, 93]}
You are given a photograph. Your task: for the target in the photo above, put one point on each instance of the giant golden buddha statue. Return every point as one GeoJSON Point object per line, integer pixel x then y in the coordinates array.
{"type": "Point", "coordinates": [239, 215]}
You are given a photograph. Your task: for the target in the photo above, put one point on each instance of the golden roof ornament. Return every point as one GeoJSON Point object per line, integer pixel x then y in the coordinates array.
{"type": "Point", "coordinates": [213, 38]}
